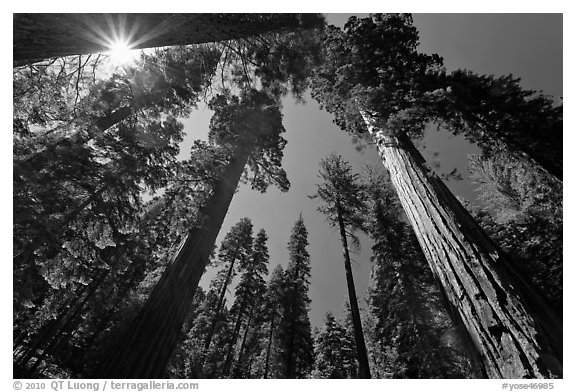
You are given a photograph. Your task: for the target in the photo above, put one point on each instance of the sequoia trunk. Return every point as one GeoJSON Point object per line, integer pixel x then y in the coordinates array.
{"type": "Point", "coordinates": [40, 36]}
{"type": "Point", "coordinates": [147, 345]}
{"type": "Point", "coordinates": [512, 329]}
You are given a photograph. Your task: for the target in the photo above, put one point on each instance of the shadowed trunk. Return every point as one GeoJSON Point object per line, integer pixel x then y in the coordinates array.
{"type": "Point", "coordinates": [237, 325]}
{"type": "Point", "coordinates": [362, 354]}
{"type": "Point", "coordinates": [147, 345]}
{"type": "Point", "coordinates": [270, 337]}
{"type": "Point", "coordinates": [243, 344]}
{"type": "Point", "coordinates": [515, 334]}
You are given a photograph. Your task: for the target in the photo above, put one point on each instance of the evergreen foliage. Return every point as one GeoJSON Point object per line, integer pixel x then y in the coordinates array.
{"type": "Point", "coordinates": [295, 334]}
{"type": "Point", "coordinates": [335, 351]}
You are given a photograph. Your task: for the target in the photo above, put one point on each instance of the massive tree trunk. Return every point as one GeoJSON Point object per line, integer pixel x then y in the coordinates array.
{"type": "Point", "coordinates": [362, 354]}
{"type": "Point", "coordinates": [512, 329]}
{"type": "Point", "coordinates": [40, 36]}
{"type": "Point", "coordinates": [147, 345]}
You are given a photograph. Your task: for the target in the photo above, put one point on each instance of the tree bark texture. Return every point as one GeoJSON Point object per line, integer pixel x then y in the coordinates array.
{"type": "Point", "coordinates": [41, 36]}
{"type": "Point", "coordinates": [364, 367]}
{"type": "Point", "coordinates": [147, 345]}
{"type": "Point", "coordinates": [515, 334]}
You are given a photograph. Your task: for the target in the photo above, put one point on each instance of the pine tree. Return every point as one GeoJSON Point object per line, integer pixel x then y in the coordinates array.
{"type": "Point", "coordinates": [297, 351]}
{"type": "Point", "coordinates": [335, 355]}
{"type": "Point", "coordinates": [248, 294]}
{"type": "Point", "coordinates": [343, 205]}
{"type": "Point", "coordinates": [515, 332]}
{"type": "Point", "coordinates": [237, 245]}
{"type": "Point", "coordinates": [272, 313]}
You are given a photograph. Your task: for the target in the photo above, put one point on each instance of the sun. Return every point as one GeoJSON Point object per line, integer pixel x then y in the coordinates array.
{"type": "Point", "coordinates": [122, 53]}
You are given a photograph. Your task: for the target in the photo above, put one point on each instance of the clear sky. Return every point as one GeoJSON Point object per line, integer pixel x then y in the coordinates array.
{"type": "Point", "coordinates": [527, 45]}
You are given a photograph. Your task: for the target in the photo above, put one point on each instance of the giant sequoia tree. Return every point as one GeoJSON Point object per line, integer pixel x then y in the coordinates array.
{"type": "Point", "coordinates": [250, 127]}
{"type": "Point", "coordinates": [371, 81]}
{"type": "Point", "coordinates": [411, 333]}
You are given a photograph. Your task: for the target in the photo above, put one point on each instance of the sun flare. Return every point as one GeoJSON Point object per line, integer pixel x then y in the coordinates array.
{"type": "Point", "coordinates": [121, 53]}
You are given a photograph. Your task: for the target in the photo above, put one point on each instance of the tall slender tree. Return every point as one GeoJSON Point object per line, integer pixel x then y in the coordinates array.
{"type": "Point", "coordinates": [236, 246]}
{"type": "Point", "coordinates": [272, 313]}
{"type": "Point", "coordinates": [342, 197]}
{"type": "Point", "coordinates": [248, 294]}
{"type": "Point", "coordinates": [369, 75]}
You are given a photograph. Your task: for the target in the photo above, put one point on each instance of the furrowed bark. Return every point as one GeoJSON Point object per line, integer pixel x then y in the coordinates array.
{"type": "Point", "coordinates": [515, 334]}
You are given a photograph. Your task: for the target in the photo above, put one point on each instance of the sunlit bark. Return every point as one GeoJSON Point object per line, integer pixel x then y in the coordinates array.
{"type": "Point", "coordinates": [512, 329]}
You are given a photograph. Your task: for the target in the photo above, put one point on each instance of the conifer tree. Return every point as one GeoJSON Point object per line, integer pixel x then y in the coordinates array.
{"type": "Point", "coordinates": [371, 80]}
{"type": "Point", "coordinates": [272, 313]}
{"type": "Point", "coordinates": [343, 205]}
{"type": "Point", "coordinates": [248, 294]}
{"type": "Point", "coordinates": [236, 246]}
{"type": "Point", "coordinates": [297, 351]}
{"type": "Point", "coordinates": [249, 127]}
{"type": "Point", "coordinates": [412, 334]}
{"type": "Point", "coordinates": [334, 351]}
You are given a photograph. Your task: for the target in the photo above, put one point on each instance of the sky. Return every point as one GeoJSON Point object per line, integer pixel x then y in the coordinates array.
{"type": "Point", "coordinates": [527, 45]}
